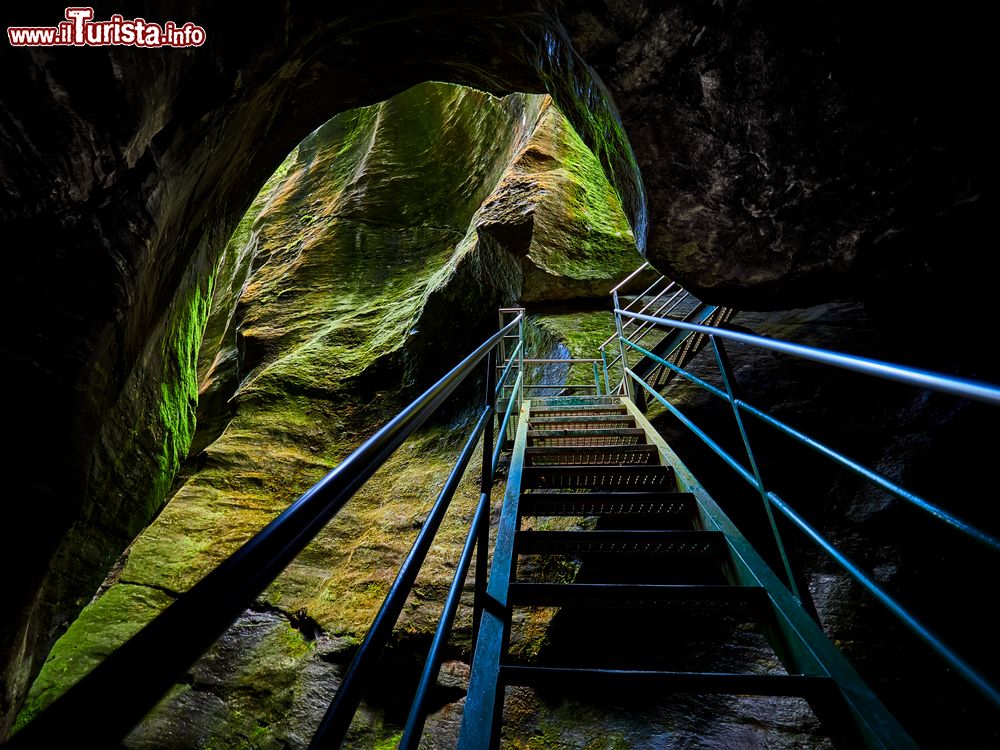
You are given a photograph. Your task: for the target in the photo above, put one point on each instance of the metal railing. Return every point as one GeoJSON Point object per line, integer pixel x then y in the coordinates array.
{"type": "Point", "coordinates": [594, 388]}
{"type": "Point", "coordinates": [530, 362]}
{"type": "Point", "coordinates": [647, 298]}
{"type": "Point", "coordinates": [144, 668]}
{"type": "Point", "coordinates": [509, 356]}
{"type": "Point", "coordinates": [772, 502]}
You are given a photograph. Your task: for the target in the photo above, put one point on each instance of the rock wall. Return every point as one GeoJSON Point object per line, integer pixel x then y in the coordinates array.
{"type": "Point", "coordinates": [781, 171]}
{"type": "Point", "coordinates": [929, 443]}
{"type": "Point", "coordinates": [792, 154]}
{"type": "Point", "coordinates": [358, 276]}
{"type": "Point", "coordinates": [124, 173]}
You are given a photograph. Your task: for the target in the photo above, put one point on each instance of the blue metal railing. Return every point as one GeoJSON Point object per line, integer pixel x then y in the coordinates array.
{"type": "Point", "coordinates": [965, 388]}
{"type": "Point", "coordinates": [571, 362]}
{"type": "Point", "coordinates": [159, 655]}
{"type": "Point", "coordinates": [678, 297]}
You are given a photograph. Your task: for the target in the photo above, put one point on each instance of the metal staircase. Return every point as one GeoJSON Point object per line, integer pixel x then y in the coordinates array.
{"type": "Point", "coordinates": [660, 543]}
{"type": "Point", "coordinates": [676, 346]}
{"type": "Point", "coordinates": [654, 542]}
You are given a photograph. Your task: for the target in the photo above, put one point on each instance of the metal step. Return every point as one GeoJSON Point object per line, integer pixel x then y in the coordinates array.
{"type": "Point", "coordinates": [598, 477]}
{"type": "Point", "coordinates": [630, 541]}
{"type": "Point", "coordinates": [554, 437]}
{"type": "Point", "coordinates": [598, 421]}
{"type": "Point", "coordinates": [543, 401]}
{"type": "Point", "coordinates": [637, 596]}
{"type": "Point", "coordinates": [595, 455]}
{"type": "Point", "coordinates": [578, 410]}
{"type": "Point", "coordinates": [614, 504]}
{"type": "Point", "coordinates": [718, 683]}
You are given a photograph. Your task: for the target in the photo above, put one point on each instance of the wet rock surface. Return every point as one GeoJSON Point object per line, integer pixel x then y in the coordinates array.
{"type": "Point", "coordinates": [928, 443]}
{"type": "Point", "coordinates": [360, 277]}
{"type": "Point", "coordinates": [795, 153]}
{"type": "Point", "coordinates": [790, 156]}
{"type": "Point", "coordinates": [124, 174]}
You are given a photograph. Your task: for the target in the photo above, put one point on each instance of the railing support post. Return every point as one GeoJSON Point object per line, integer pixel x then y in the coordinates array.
{"type": "Point", "coordinates": [486, 488]}
{"type": "Point", "coordinates": [604, 362]}
{"type": "Point", "coordinates": [729, 381]}
{"type": "Point", "coordinates": [629, 391]}
{"type": "Point", "coordinates": [520, 362]}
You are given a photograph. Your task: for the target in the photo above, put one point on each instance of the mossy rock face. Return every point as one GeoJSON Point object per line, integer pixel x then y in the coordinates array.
{"type": "Point", "coordinates": [566, 333]}
{"type": "Point", "coordinates": [579, 243]}
{"type": "Point", "coordinates": [369, 264]}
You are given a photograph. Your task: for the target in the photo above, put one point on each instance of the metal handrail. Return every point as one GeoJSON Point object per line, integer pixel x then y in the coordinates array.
{"type": "Point", "coordinates": [158, 656]}
{"type": "Point", "coordinates": [571, 361]}
{"type": "Point", "coordinates": [640, 332]}
{"type": "Point", "coordinates": [514, 357]}
{"type": "Point", "coordinates": [911, 622]}
{"type": "Point", "coordinates": [337, 720]}
{"type": "Point", "coordinates": [656, 298]}
{"type": "Point", "coordinates": [478, 530]}
{"type": "Point", "coordinates": [962, 387]}
{"type": "Point", "coordinates": [641, 294]}
{"type": "Point", "coordinates": [592, 361]}
{"type": "Point", "coordinates": [502, 428]}
{"type": "Point", "coordinates": [858, 468]}
{"type": "Point", "coordinates": [638, 297]}
{"type": "Point", "coordinates": [670, 285]}
{"type": "Point", "coordinates": [631, 276]}
{"type": "Point", "coordinates": [977, 680]}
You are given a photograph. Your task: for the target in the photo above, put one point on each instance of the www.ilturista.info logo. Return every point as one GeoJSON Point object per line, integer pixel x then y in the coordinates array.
{"type": "Point", "coordinates": [80, 30]}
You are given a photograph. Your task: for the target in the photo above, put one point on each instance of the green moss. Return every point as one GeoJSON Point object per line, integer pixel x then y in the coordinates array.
{"type": "Point", "coordinates": [581, 333]}
{"type": "Point", "coordinates": [102, 626]}
{"type": "Point", "coordinates": [530, 632]}
{"type": "Point", "coordinates": [26, 716]}
{"type": "Point", "coordinates": [345, 281]}
{"type": "Point", "coordinates": [547, 738]}
{"type": "Point", "coordinates": [588, 107]}
{"type": "Point", "coordinates": [611, 742]}
{"type": "Point", "coordinates": [581, 242]}
{"type": "Point", "coordinates": [292, 643]}
{"type": "Point", "coordinates": [607, 248]}
{"type": "Point", "coordinates": [389, 743]}
{"type": "Point", "coordinates": [243, 231]}
{"type": "Point", "coordinates": [259, 733]}
{"type": "Point", "coordinates": [179, 385]}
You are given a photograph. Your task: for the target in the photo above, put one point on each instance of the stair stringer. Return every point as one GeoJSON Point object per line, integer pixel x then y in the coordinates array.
{"type": "Point", "coordinates": [850, 712]}
{"type": "Point", "coordinates": [484, 699]}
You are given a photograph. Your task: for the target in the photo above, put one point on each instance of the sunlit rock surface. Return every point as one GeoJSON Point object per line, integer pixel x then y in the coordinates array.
{"type": "Point", "coordinates": [124, 173]}
{"type": "Point", "coordinates": [358, 276]}
{"type": "Point", "coordinates": [791, 155]}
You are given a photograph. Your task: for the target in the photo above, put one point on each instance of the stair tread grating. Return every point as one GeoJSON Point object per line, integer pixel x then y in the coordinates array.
{"type": "Point", "coordinates": [639, 542]}
{"type": "Point", "coordinates": [607, 504]}
{"type": "Point", "coordinates": [604, 455]}
{"type": "Point", "coordinates": [581, 423]}
{"type": "Point", "coordinates": [546, 401]}
{"type": "Point", "coordinates": [731, 683]}
{"type": "Point", "coordinates": [564, 476]}
{"type": "Point", "coordinates": [637, 596]}
{"type": "Point", "coordinates": [578, 411]}
{"type": "Point", "coordinates": [582, 437]}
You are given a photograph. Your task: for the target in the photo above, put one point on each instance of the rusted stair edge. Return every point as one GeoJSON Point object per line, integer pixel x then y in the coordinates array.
{"type": "Point", "coordinates": [852, 714]}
